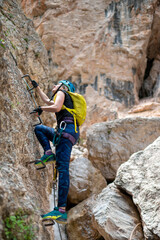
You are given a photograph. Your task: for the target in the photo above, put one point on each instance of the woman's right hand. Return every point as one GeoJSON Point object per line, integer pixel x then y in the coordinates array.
{"type": "Point", "coordinates": [34, 83]}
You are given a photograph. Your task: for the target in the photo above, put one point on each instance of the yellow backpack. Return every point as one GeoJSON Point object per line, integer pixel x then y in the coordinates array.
{"type": "Point", "coordinates": [79, 108]}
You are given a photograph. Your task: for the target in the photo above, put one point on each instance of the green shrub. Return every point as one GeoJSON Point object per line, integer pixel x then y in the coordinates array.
{"type": "Point", "coordinates": [19, 227]}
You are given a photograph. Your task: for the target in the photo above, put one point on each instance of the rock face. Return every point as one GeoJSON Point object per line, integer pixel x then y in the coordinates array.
{"type": "Point", "coordinates": [113, 46]}
{"type": "Point", "coordinates": [26, 49]}
{"type": "Point", "coordinates": [115, 216]}
{"type": "Point", "coordinates": [80, 225]}
{"type": "Point", "coordinates": [110, 45]}
{"type": "Point", "coordinates": [152, 82]}
{"type": "Point", "coordinates": [85, 180]}
{"type": "Point", "coordinates": [112, 143]}
{"type": "Point", "coordinates": [21, 52]}
{"type": "Point", "coordinates": [111, 215]}
{"type": "Point", "coordinates": [139, 177]}
{"type": "Point", "coordinates": [99, 109]}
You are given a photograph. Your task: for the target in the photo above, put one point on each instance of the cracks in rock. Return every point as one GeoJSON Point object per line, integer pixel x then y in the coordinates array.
{"type": "Point", "coordinates": [146, 90]}
{"type": "Point", "coordinates": [123, 191]}
{"type": "Point", "coordinates": [151, 80]}
{"type": "Point", "coordinates": [131, 236]}
{"type": "Point", "coordinates": [13, 58]}
{"type": "Point", "coordinates": [8, 17]}
{"type": "Point", "coordinates": [119, 156]}
{"type": "Point", "coordinates": [63, 10]}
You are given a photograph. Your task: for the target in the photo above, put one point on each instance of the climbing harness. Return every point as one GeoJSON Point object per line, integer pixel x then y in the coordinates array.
{"type": "Point", "coordinates": [58, 133]}
{"type": "Point", "coordinates": [69, 136]}
{"type": "Point", "coordinates": [30, 90]}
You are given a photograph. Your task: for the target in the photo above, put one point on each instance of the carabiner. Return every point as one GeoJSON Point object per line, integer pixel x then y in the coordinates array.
{"type": "Point", "coordinates": [60, 126]}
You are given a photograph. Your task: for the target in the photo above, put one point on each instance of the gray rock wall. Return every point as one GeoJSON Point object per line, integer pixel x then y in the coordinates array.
{"type": "Point", "coordinates": [21, 186]}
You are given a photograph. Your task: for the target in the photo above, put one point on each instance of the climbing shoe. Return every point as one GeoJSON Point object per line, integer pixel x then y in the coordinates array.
{"type": "Point", "coordinates": [56, 215]}
{"type": "Point", "coordinates": [45, 159]}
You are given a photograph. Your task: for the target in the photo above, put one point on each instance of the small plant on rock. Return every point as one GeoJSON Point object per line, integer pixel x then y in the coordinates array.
{"type": "Point", "coordinates": [2, 42]}
{"type": "Point", "coordinates": [19, 227]}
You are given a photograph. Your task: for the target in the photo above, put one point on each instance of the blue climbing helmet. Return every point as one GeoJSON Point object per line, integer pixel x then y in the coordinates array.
{"type": "Point", "coordinates": [68, 84]}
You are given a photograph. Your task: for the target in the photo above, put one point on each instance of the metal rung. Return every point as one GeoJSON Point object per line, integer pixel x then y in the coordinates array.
{"type": "Point", "coordinates": [30, 90]}
{"type": "Point", "coordinates": [38, 168]}
{"type": "Point", "coordinates": [48, 224]}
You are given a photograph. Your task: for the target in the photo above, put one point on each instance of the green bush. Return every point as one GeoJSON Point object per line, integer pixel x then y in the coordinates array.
{"type": "Point", "coordinates": [19, 227]}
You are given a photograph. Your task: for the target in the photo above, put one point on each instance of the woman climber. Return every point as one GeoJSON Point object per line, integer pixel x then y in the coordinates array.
{"type": "Point", "coordinates": [67, 137]}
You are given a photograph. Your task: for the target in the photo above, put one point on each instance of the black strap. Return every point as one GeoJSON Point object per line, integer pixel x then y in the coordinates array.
{"type": "Point", "coordinates": [56, 92]}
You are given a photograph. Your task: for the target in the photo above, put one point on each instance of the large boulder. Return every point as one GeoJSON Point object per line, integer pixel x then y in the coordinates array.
{"type": "Point", "coordinates": [111, 215]}
{"type": "Point", "coordinates": [80, 225]}
{"type": "Point", "coordinates": [85, 180]}
{"type": "Point", "coordinates": [140, 177]}
{"type": "Point", "coordinates": [112, 143]}
{"type": "Point", "coordinates": [115, 216]}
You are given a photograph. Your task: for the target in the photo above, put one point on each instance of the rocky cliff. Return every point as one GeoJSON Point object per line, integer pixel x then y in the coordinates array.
{"type": "Point", "coordinates": [110, 50]}
{"type": "Point", "coordinates": [23, 190]}
{"type": "Point", "coordinates": [111, 45]}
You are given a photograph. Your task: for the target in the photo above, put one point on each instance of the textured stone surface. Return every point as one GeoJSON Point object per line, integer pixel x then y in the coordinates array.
{"type": "Point", "coordinates": [99, 109]}
{"type": "Point", "coordinates": [112, 143]}
{"type": "Point", "coordinates": [99, 43]}
{"type": "Point", "coordinates": [79, 151]}
{"type": "Point", "coordinates": [139, 176]}
{"type": "Point", "coordinates": [26, 50]}
{"type": "Point", "coordinates": [115, 216]}
{"type": "Point", "coordinates": [85, 180]}
{"type": "Point", "coordinates": [106, 44]}
{"type": "Point", "coordinates": [80, 225]}
{"type": "Point", "coordinates": [144, 107]}
{"type": "Point", "coordinates": [21, 186]}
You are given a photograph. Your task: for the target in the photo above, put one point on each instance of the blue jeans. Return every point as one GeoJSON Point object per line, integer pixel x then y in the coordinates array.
{"type": "Point", "coordinates": [63, 152]}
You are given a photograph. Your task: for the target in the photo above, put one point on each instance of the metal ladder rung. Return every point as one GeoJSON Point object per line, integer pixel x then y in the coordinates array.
{"type": "Point", "coordinates": [38, 168]}
{"type": "Point", "coordinates": [48, 224]}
